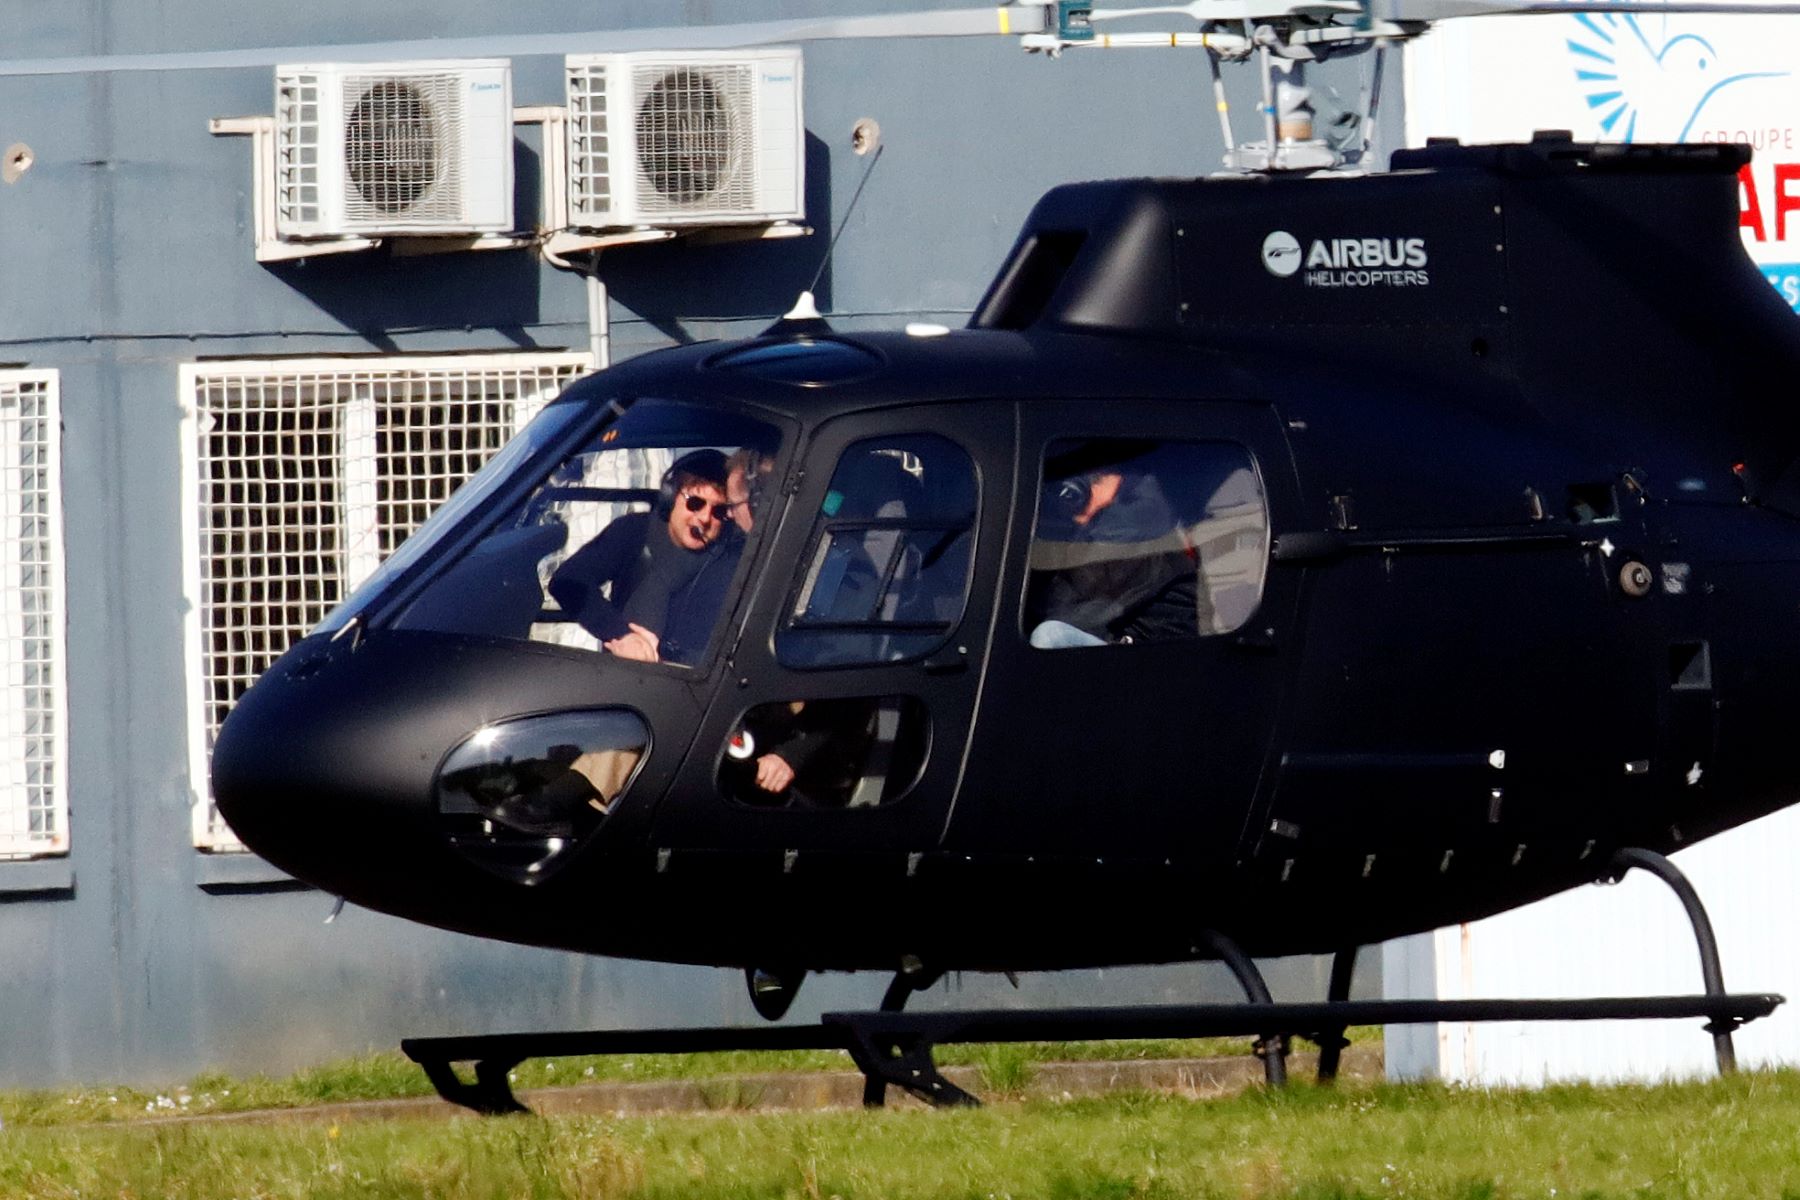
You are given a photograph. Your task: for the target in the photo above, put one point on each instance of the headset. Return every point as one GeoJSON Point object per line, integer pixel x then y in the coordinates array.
{"type": "Point", "coordinates": [1070, 496]}
{"type": "Point", "coordinates": [707, 465]}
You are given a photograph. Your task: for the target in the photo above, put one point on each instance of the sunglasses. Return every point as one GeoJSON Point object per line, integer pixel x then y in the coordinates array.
{"type": "Point", "coordinates": [696, 504]}
{"type": "Point", "coordinates": [1071, 496]}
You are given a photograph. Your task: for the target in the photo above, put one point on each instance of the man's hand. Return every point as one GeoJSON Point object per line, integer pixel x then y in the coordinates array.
{"type": "Point", "coordinates": [773, 773]}
{"type": "Point", "coordinates": [640, 645]}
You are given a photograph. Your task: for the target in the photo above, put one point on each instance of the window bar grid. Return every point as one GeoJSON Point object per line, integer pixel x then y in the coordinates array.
{"type": "Point", "coordinates": [308, 475]}
{"type": "Point", "coordinates": [34, 817]}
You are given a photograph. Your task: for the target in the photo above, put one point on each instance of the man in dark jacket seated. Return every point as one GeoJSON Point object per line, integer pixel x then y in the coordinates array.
{"type": "Point", "coordinates": [810, 752]}
{"type": "Point", "coordinates": [660, 606]}
{"type": "Point", "coordinates": [1111, 560]}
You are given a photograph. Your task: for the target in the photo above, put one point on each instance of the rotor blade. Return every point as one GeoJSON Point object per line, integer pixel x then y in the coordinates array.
{"type": "Point", "coordinates": [1430, 10]}
{"type": "Point", "coordinates": [1440, 10]}
{"type": "Point", "coordinates": [962, 22]}
{"type": "Point", "coordinates": [1204, 11]}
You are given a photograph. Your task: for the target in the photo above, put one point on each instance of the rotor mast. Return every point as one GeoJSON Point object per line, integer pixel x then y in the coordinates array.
{"type": "Point", "coordinates": [1283, 36]}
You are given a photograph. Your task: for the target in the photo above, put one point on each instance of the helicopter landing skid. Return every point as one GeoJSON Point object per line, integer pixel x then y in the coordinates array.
{"type": "Point", "coordinates": [896, 1047]}
{"type": "Point", "coordinates": [891, 1047]}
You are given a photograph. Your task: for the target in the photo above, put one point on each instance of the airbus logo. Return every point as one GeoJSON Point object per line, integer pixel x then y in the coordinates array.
{"type": "Point", "coordinates": [1281, 254]}
{"type": "Point", "coordinates": [1348, 262]}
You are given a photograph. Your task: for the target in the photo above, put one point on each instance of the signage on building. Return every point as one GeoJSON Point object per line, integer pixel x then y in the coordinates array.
{"type": "Point", "coordinates": [1626, 77]}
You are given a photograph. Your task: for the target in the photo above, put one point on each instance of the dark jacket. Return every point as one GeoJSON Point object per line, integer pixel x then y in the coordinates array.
{"type": "Point", "coordinates": [635, 556]}
{"type": "Point", "coordinates": [694, 609]}
{"type": "Point", "coordinates": [670, 590]}
{"type": "Point", "coordinates": [826, 743]}
{"type": "Point", "coordinates": [1129, 574]}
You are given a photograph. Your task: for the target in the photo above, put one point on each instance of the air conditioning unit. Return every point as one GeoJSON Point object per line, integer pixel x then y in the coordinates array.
{"type": "Point", "coordinates": [684, 139]}
{"type": "Point", "coordinates": [393, 149]}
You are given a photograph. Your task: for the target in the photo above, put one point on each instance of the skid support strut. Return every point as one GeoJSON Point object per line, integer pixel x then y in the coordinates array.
{"type": "Point", "coordinates": [1331, 1040]}
{"type": "Point", "coordinates": [1721, 1027]}
{"type": "Point", "coordinates": [1272, 1048]}
{"type": "Point", "coordinates": [491, 1094]}
{"type": "Point", "coordinates": [905, 1060]}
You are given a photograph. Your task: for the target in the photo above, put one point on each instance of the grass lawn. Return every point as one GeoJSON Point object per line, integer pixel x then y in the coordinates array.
{"type": "Point", "coordinates": [1722, 1138]}
{"type": "Point", "coordinates": [389, 1075]}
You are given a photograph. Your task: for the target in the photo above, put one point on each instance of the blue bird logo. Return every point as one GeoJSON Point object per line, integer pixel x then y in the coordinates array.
{"type": "Point", "coordinates": [1650, 84]}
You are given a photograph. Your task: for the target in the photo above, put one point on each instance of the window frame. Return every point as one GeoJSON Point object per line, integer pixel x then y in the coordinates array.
{"type": "Point", "coordinates": [540, 376]}
{"type": "Point", "coordinates": [821, 536]}
{"type": "Point", "coordinates": [22, 847]}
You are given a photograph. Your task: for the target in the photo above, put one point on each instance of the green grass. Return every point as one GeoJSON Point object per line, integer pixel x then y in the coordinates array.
{"type": "Point", "coordinates": [1005, 1069]}
{"type": "Point", "coordinates": [1726, 1138]}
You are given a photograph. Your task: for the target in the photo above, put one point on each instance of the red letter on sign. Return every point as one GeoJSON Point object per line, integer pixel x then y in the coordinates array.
{"type": "Point", "coordinates": [1785, 173]}
{"type": "Point", "coordinates": [1749, 207]}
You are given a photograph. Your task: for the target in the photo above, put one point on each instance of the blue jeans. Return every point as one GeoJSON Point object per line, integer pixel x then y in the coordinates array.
{"type": "Point", "coordinates": [1060, 635]}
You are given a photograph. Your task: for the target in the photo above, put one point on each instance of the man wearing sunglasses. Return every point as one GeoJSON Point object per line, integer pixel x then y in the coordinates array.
{"type": "Point", "coordinates": [694, 612]}
{"type": "Point", "coordinates": [652, 562]}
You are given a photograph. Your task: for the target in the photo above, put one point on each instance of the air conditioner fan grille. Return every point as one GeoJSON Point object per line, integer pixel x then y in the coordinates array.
{"type": "Point", "coordinates": [694, 138]}
{"type": "Point", "coordinates": [398, 134]}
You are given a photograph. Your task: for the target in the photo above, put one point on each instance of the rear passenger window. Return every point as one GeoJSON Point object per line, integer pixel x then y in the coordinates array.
{"type": "Point", "coordinates": [1144, 541]}
{"type": "Point", "coordinates": [888, 570]}
{"type": "Point", "coordinates": [843, 752]}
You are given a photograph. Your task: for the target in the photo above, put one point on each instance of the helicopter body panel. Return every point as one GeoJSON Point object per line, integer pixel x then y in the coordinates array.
{"type": "Point", "coordinates": [1496, 576]}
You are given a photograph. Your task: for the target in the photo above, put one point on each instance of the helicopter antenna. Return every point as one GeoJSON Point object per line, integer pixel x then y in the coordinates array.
{"type": "Point", "coordinates": [865, 141]}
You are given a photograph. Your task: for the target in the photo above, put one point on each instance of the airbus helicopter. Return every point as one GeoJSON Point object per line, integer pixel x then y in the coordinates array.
{"type": "Point", "coordinates": [1278, 562]}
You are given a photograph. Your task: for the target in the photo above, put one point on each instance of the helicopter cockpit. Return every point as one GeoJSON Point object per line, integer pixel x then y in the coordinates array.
{"type": "Point", "coordinates": [596, 566]}
{"type": "Point", "coordinates": [622, 542]}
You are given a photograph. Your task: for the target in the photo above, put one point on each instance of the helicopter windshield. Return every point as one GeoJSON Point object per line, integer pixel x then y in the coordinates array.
{"type": "Point", "coordinates": [626, 543]}
{"type": "Point", "coordinates": [547, 428]}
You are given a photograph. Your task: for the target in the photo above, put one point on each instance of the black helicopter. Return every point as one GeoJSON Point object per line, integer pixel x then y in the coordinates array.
{"type": "Point", "coordinates": [1297, 561]}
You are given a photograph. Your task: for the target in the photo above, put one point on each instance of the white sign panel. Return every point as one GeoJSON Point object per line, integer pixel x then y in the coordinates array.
{"type": "Point", "coordinates": [1630, 78]}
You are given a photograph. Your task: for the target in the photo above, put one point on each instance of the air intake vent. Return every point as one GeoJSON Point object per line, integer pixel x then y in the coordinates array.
{"type": "Point", "coordinates": [1030, 278]}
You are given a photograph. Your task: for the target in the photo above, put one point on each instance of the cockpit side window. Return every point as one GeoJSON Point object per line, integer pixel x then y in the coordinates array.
{"type": "Point", "coordinates": [629, 545]}
{"type": "Point", "coordinates": [1144, 541]}
{"type": "Point", "coordinates": [888, 570]}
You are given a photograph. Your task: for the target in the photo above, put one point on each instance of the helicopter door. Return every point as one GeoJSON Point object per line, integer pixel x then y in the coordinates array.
{"type": "Point", "coordinates": [1135, 674]}
{"type": "Point", "coordinates": [841, 721]}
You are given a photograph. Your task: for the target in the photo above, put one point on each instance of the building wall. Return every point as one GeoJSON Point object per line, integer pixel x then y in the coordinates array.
{"type": "Point", "coordinates": [125, 253]}
{"type": "Point", "coordinates": [1613, 77]}
{"type": "Point", "coordinates": [1632, 939]}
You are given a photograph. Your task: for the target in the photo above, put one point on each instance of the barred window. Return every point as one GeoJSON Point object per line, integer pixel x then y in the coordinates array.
{"type": "Point", "coordinates": [34, 797]}
{"type": "Point", "coordinates": [303, 475]}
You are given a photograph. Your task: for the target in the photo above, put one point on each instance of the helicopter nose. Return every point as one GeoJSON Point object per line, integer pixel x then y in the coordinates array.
{"type": "Point", "coordinates": [324, 766]}
{"type": "Point", "coordinates": [374, 769]}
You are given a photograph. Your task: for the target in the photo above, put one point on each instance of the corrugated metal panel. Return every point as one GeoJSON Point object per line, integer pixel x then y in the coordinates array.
{"type": "Point", "coordinates": [1629, 939]}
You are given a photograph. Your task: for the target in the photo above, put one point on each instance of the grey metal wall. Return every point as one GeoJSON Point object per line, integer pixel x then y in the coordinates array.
{"type": "Point", "coordinates": [126, 251]}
